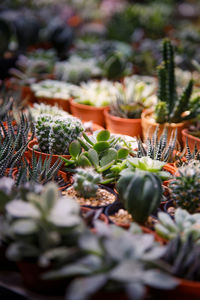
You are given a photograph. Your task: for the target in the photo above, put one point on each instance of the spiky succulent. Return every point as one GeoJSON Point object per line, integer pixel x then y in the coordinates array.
{"type": "Point", "coordinates": [171, 106]}
{"type": "Point", "coordinates": [157, 147]}
{"type": "Point", "coordinates": [86, 182]}
{"type": "Point", "coordinates": [55, 134]}
{"type": "Point", "coordinates": [132, 98]}
{"type": "Point", "coordinates": [38, 171]}
{"type": "Point", "coordinates": [185, 188]}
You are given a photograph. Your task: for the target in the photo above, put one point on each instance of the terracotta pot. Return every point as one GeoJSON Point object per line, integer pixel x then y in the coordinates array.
{"type": "Point", "coordinates": [169, 167]}
{"type": "Point", "coordinates": [42, 154]}
{"type": "Point", "coordinates": [192, 140]}
{"type": "Point", "coordinates": [149, 126]}
{"type": "Point", "coordinates": [27, 94]}
{"type": "Point", "coordinates": [31, 275]}
{"type": "Point", "coordinates": [62, 103]}
{"type": "Point", "coordinates": [185, 290]}
{"type": "Point", "coordinates": [88, 113]}
{"type": "Point", "coordinates": [113, 208]}
{"type": "Point", "coordinates": [131, 127]}
{"type": "Point", "coordinates": [65, 176]}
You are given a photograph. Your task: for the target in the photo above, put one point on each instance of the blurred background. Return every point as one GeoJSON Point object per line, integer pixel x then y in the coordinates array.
{"type": "Point", "coordinates": [118, 37]}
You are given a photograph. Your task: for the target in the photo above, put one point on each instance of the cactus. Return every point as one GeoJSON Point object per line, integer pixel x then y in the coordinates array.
{"type": "Point", "coordinates": [185, 189]}
{"type": "Point", "coordinates": [55, 133]}
{"type": "Point", "coordinates": [141, 194]}
{"type": "Point", "coordinates": [86, 182]}
{"type": "Point", "coordinates": [175, 106]}
{"type": "Point", "coordinates": [63, 132]}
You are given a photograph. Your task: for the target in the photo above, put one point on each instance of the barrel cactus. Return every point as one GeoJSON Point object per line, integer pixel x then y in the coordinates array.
{"type": "Point", "coordinates": [54, 134]}
{"type": "Point", "coordinates": [140, 193]}
{"type": "Point", "coordinates": [86, 182]}
{"type": "Point", "coordinates": [185, 189]}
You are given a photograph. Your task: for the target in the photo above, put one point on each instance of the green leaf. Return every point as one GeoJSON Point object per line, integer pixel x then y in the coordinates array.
{"type": "Point", "coordinates": [103, 135]}
{"type": "Point", "coordinates": [50, 196]}
{"type": "Point", "coordinates": [160, 280]}
{"type": "Point", "coordinates": [75, 148]}
{"type": "Point", "coordinates": [109, 155]}
{"type": "Point", "coordinates": [93, 157]}
{"type": "Point", "coordinates": [101, 146]}
{"type": "Point", "coordinates": [83, 161]}
{"type": "Point", "coordinates": [24, 227]}
{"type": "Point", "coordinates": [122, 153]}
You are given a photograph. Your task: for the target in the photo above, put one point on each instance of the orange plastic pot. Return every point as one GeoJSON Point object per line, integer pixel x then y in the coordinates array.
{"type": "Point", "coordinates": [42, 154]}
{"type": "Point", "coordinates": [131, 127]}
{"type": "Point", "coordinates": [88, 113]}
{"type": "Point", "coordinates": [169, 167]}
{"type": "Point", "coordinates": [192, 140]}
{"type": "Point", "coordinates": [149, 126]}
{"type": "Point", "coordinates": [185, 290]}
{"type": "Point", "coordinates": [27, 94]}
{"type": "Point", "coordinates": [62, 103]}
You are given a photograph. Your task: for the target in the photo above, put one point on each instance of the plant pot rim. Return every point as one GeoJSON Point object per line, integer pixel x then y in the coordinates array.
{"type": "Point", "coordinates": [119, 119]}
{"type": "Point", "coordinates": [52, 98]}
{"type": "Point", "coordinates": [188, 283]}
{"type": "Point", "coordinates": [149, 112]}
{"type": "Point", "coordinates": [185, 132]}
{"type": "Point", "coordinates": [34, 142]}
{"type": "Point", "coordinates": [87, 107]}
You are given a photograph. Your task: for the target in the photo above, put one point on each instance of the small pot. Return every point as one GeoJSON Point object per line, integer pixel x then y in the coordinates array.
{"type": "Point", "coordinates": [88, 113]}
{"type": "Point", "coordinates": [169, 167]}
{"type": "Point", "coordinates": [101, 206]}
{"type": "Point", "coordinates": [192, 140]}
{"type": "Point", "coordinates": [149, 126]}
{"type": "Point", "coordinates": [27, 94]}
{"type": "Point", "coordinates": [31, 275]}
{"type": "Point", "coordinates": [42, 154]}
{"type": "Point", "coordinates": [130, 127]}
{"type": "Point", "coordinates": [113, 208]}
{"type": "Point", "coordinates": [63, 103]}
{"type": "Point", "coordinates": [186, 289]}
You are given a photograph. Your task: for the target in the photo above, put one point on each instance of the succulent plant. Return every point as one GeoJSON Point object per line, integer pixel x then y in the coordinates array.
{"type": "Point", "coordinates": [171, 107]}
{"type": "Point", "coordinates": [102, 152]}
{"type": "Point", "coordinates": [183, 256]}
{"type": "Point", "coordinates": [140, 193]}
{"type": "Point", "coordinates": [39, 109]}
{"type": "Point", "coordinates": [14, 139]}
{"type": "Point", "coordinates": [86, 182]}
{"type": "Point", "coordinates": [132, 98]}
{"type": "Point", "coordinates": [157, 147]}
{"type": "Point", "coordinates": [185, 188]}
{"type": "Point", "coordinates": [55, 134]}
{"type": "Point", "coordinates": [31, 70]}
{"type": "Point", "coordinates": [113, 254]}
{"type": "Point", "coordinates": [52, 89]}
{"type": "Point", "coordinates": [44, 224]}
{"type": "Point", "coordinates": [145, 163]}
{"type": "Point", "coordinates": [39, 172]}
{"type": "Point", "coordinates": [76, 69]}
{"type": "Point", "coordinates": [183, 224]}
{"type": "Point", "coordinates": [95, 93]}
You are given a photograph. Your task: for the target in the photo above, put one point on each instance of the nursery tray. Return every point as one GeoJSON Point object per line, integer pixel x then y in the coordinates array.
{"type": "Point", "coordinates": [11, 287]}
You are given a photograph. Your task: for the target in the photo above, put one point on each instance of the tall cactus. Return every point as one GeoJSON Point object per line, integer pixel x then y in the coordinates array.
{"type": "Point", "coordinates": [170, 106]}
